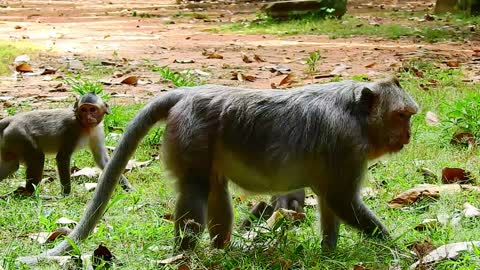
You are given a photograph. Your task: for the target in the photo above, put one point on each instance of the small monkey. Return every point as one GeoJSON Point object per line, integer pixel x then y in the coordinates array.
{"type": "Point", "coordinates": [27, 137]}
{"type": "Point", "coordinates": [266, 141]}
{"type": "Point", "coordinates": [294, 200]}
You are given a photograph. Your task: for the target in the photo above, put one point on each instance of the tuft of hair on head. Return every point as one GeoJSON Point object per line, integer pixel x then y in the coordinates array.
{"type": "Point", "coordinates": [390, 80]}
{"type": "Point", "coordinates": [89, 98]}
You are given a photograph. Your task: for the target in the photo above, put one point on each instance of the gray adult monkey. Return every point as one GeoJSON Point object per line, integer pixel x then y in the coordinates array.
{"type": "Point", "coordinates": [268, 141]}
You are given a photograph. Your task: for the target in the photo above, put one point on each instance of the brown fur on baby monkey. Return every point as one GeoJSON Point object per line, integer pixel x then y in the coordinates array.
{"type": "Point", "coordinates": [28, 136]}
{"type": "Point", "coordinates": [319, 136]}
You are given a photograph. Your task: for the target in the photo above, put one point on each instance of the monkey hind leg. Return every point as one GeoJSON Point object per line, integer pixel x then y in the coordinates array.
{"type": "Point", "coordinates": [7, 167]}
{"type": "Point", "coordinates": [330, 225]}
{"type": "Point", "coordinates": [34, 162]}
{"type": "Point", "coordinates": [190, 211]}
{"type": "Point", "coordinates": [220, 213]}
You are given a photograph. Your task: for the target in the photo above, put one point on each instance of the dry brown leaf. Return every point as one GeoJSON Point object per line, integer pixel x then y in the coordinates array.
{"type": "Point", "coordinates": [130, 80]}
{"type": "Point", "coordinates": [132, 164]}
{"type": "Point", "coordinates": [449, 251]}
{"type": "Point", "coordinates": [470, 210]}
{"type": "Point", "coordinates": [284, 213]}
{"type": "Point", "coordinates": [453, 63]}
{"type": "Point", "coordinates": [432, 119]}
{"type": "Point", "coordinates": [462, 138]}
{"type": "Point", "coordinates": [65, 221]}
{"type": "Point", "coordinates": [257, 58]}
{"type": "Point", "coordinates": [18, 27]}
{"type": "Point", "coordinates": [101, 254]}
{"type": "Point", "coordinates": [184, 61]}
{"type": "Point", "coordinates": [240, 77]}
{"type": "Point", "coordinates": [430, 191]}
{"type": "Point", "coordinates": [371, 65]}
{"type": "Point", "coordinates": [422, 248]}
{"type": "Point", "coordinates": [289, 79]}
{"type": "Point", "coordinates": [246, 59]}
{"type": "Point", "coordinates": [90, 186]}
{"type": "Point", "coordinates": [455, 175]}
{"type": "Point", "coordinates": [359, 267]}
{"type": "Point", "coordinates": [183, 267]}
{"type": "Point", "coordinates": [24, 68]}
{"type": "Point", "coordinates": [214, 56]}
{"type": "Point", "coordinates": [48, 71]}
{"type": "Point", "coordinates": [250, 78]}
{"type": "Point", "coordinates": [172, 259]}
{"type": "Point", "coordinates": [88, 172]}
{"type": "Point", "coordinates": [57, 233]}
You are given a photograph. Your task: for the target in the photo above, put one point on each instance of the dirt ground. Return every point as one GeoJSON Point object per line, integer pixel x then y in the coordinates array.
{"type": "Point", "coordinates": [72, 32]}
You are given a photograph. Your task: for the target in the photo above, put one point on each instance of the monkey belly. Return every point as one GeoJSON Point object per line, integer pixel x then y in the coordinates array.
{"type": "Point", "coordinates": [260, 179]}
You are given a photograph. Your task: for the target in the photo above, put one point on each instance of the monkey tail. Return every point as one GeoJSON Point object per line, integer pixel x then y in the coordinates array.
{"type": "Point", "coordinates": [138, 127]}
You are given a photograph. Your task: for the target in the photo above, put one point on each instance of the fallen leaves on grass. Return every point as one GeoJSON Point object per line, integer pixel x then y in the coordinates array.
{"type": "Point", "coordinates": [470, 210]}
{"type": "Point", "coordinates": [445, 252]}
{"type": "Point", "coordinates": [286, 214]}
{"type": "Point", "coordinates": [464, 138]}
{"type": "Point", "coordinates": [246, 59]}
{"type": "Point", "coordinates": [422, 248]}
{"type": "Point", "coordinates": [132, 164]}
{"type": "Point", "coordinates": [65, 221]}
{"type": "Point", "coordinates": [90, 186]}
{"type": "Point", "coordinates": [130, 80]}
{"type": "Point", "coordinates": [214, 56]}
{"type": "Point", "coordinates": [288, 80]}
{"type": "Point", "coordinates": [455, 175]}
{"type": "Point", "coordinates": [89, 172]}
{"type": "Point", "coordinates": [24, 68]}
{"type": "Point", "coordinates": [427, 191]}
{"type": "Point", "coordinates": [101, 254]}
{"type": "Point", "coordinates": [432, 119]}
{"type": "Point", "coordinates": [173, 259]}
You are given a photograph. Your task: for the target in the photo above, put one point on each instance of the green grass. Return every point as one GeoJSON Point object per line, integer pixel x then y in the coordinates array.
{"type": "Point", "coordinates": [393, 26]}
{"type": "Point", "coordinates": [11, 49]}
{"type": "Point", "coordinates": [139, 238]}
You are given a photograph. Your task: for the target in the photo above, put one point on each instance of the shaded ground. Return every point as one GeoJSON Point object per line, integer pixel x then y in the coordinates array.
{"type": "Point", "coordinates": [120, 33]}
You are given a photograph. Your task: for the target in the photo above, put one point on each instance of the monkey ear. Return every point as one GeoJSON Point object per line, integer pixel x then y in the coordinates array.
{"type": "Point", "coordinates": [368, 101]}
{"type": "Point", "coordinates": [75, 105]}
{"type": "Point", "coordinates": [107, 108]}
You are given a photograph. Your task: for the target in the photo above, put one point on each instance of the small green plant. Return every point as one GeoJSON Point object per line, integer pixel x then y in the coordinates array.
{"type": "Point", "coordinates": [179, 79]}
{"type": "Point", "coordinates": [312, 62]}
{"type": "Point", "coordinates": [83, 86]}
{"type": "Point", "coordinates": [464, 115]}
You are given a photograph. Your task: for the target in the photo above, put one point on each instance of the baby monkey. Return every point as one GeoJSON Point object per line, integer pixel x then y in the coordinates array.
{"type": "Point", "coordinates": [27, 137]}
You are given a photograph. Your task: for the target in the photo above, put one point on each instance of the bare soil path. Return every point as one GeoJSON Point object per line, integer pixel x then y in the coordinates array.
{"type": "Point", "coordinates": [79, 31]}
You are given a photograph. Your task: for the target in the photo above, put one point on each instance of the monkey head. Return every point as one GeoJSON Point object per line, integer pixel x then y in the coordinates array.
{"type": "Point", "coordinates": [90, 109]}
{"type": "Point", "coordinates": [390, 109]}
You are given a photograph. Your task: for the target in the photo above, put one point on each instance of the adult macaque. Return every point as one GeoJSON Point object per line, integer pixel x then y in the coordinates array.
{"type": "Point", "coordinates": [265, 141]}
{"type": "Point", "coordinates": [27, 137]}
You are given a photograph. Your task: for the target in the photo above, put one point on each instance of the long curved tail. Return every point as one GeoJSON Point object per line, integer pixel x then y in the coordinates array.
{"type": "Point", "coordinates": [138, 127]}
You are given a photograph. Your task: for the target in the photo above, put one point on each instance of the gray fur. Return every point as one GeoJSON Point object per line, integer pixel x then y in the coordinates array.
{"type": "Point", "coordinates": [274, 141]}
{"type": "Point", "coordinates": [28, 136]}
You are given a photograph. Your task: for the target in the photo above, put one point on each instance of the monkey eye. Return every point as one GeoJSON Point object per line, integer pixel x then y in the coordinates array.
{"type": "Point", "coordinates": [84, 109]}
{"type": "Point", "coordinates": [93, 109]}
{"type": "Point", "coordinates": [403, 115]}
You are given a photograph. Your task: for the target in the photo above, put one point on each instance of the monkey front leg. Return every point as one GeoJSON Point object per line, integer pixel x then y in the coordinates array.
{"type": "Point", "coordinates": [351, 209]}
{"type": "Point", "coordinates": [63, 166]}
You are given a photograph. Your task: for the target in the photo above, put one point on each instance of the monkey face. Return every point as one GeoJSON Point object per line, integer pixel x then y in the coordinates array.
{"type": "Point", "coordinates": [90, 115]}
